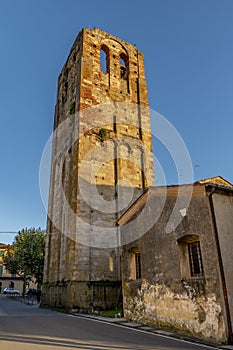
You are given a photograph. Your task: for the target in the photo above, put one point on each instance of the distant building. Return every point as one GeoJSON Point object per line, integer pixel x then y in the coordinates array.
{"type": "Point", "coordinates": [3, 271]}
{"type": "Point", "coordinates": [6, 278]}
{"type": "Point", "coordinates": [182, 279]}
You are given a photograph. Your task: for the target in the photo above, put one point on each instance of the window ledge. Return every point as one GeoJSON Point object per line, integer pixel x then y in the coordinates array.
{"type": "Point", "coordinates": [193, 279]}
{"type": "Point", "coordinates": [135, 281]}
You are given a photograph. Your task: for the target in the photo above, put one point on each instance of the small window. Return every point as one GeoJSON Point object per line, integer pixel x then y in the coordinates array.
{"type": "Point", "coordinates": [114, 124]}
{"type": "Point", "coordinates": [195, 260]}
{"type": "Point", "coordinates": [190, 256]}
{"type": "Point", "coordinates": [138, 265]}
{"type": "Point", "coordinates": [135, 264]}
{"type": "Point", "coordinates": [110, 264]}
{"type": "Point", "coordinates": [104, 59]}
{"type": "Point", "coordinates": [123, 67]}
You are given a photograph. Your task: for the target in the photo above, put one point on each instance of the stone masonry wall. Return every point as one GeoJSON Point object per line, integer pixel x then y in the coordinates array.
{"type": "Point", "coordinates": [101, 162]}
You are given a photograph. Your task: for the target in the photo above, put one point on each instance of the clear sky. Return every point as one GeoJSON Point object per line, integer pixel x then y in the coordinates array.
{"type": "Point", "coordinates": [188, 52]}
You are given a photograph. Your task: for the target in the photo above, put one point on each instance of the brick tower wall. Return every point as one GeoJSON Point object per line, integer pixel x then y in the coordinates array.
{"type": "Point", "coordinates": [106, 142]}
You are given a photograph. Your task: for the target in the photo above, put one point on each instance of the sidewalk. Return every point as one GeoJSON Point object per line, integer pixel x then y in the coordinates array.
{"type": "Point", "coordinates": [125, 323]}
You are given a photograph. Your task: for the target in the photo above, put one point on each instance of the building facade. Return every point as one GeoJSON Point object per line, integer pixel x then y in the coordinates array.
{"type": "Point", "coordinates": [182, 280]}
{"type": "Point", "coordinates": [101, 162]}
{"type": "Point", "coordinates": [6, 278]}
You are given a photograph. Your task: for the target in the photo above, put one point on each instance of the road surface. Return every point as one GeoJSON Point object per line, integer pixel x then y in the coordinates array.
{"type": "Point", "coordinates": [25, 327]}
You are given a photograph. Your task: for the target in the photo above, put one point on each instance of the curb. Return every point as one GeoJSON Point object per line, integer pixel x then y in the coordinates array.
{"type": "Point", "coordinates": [145, 328]}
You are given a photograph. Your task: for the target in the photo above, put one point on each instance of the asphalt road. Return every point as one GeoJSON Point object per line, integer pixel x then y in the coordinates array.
{"type": "Point", "coordinates": [25, 327]}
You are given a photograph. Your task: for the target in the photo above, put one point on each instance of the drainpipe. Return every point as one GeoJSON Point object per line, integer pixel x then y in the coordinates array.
{"type": "Point", "coordinates": [224, 287]}
{"type": "Point", "coordinates": [140, 124]}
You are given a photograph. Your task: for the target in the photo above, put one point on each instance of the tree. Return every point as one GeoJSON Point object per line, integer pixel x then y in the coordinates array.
{"type": "Point", "coordinates": [26, 256]}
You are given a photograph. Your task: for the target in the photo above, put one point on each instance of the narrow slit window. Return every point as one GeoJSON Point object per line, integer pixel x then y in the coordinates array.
{"type": "Point", "coordinates": [114, 124]}
{"type": "Point", "coordinates": [195, 260]}
{"type": "Point", "coordinates": [138, 265]}
{"type": "Point", "coordinates": [110, 263]}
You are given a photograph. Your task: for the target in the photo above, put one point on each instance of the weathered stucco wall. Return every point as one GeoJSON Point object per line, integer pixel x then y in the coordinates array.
{"type": "Point", "coordinates": [185, 311]}
{"type": "Point", "coordinates": [167, 295]}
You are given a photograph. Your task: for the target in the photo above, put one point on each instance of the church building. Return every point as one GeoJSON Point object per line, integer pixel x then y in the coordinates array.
{"type": "Point", "coordinates": [111, 242]}
{"type": "Point", "coordinates": [181, 279]}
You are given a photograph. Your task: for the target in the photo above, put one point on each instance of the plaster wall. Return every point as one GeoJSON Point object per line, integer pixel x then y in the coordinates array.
{"type": "Point", "coordinates": [167, 296]}
{"type": "Point", "coordinates": [223, 207]}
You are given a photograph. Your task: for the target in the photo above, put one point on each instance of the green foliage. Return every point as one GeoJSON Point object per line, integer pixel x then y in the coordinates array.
{"type": "Point", "coordinates": [10, 260]}
{"type": "Point", "coordinates": [26, 256]}
{"type": "Point", "coordinates": [72, 108]}
{"type": "Point", "coordinates": [111, 313]}
{"type": "Point", "coordinates": [103, 134]}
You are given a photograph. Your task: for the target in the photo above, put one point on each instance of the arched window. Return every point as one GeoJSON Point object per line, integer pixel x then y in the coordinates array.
{"type": "Point", "coordinates": [104, 59]}
{"type": "Point", "coordinates": [124, 70]}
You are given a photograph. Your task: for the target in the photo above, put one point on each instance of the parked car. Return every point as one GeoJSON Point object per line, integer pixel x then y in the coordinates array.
{"type": "Point", "coordinates": [10, 291]}
{"type": "Point", "coordinates": [31, 292]}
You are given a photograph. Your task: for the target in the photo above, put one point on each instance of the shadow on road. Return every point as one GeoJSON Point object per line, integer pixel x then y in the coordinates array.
{"type": "Point", "coordinates": [25, 327]}
{"type": "Point", "coordinates": [65, 343]}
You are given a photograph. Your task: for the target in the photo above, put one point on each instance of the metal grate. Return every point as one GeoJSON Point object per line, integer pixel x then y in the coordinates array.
{"type": "Point", "coordinates": [195, 259]}
{"type": "Point", "coordinates": [138, 265]}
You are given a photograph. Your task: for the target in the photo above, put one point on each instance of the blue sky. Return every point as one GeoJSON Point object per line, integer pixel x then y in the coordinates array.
{"type": "Point", "coordinates": [188, 52]}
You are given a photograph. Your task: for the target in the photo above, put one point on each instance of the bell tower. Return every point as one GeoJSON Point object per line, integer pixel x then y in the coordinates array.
{"type": "Point", "coordinates": [101, 163]}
